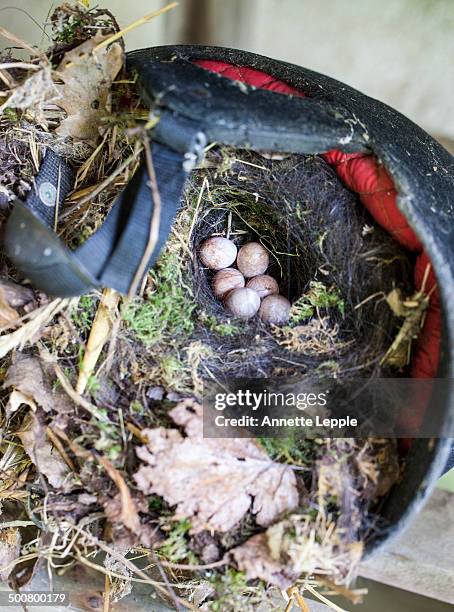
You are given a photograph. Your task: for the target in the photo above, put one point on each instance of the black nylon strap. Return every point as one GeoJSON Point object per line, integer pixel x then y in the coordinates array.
{"type": "Point", "coordinates": [113, 254]}
{"type": "Point", "coordinates": [127, 230]}
{"type": "Point", "coordinates": [52, 185]}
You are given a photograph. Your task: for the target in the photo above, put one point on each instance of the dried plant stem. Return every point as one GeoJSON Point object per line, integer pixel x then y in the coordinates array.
{"type": "Point", "coordinates": [323, 599]}
{"type": "Point", "coordinates": [28, 332]}
{"type": "Point", "coordinates": [131, 566]}
{"type": "Point", "coordinates": [21, 43]}
{"type": "Point", "coordinates": [154, 223]}
{"type": "Point", "coordinates": [100, 332]}
{"type": "Point", "coordinates": [98, 568]}
{"type": "Point", "coordinates": [59, 446]}
{"type": "Point", "coordinates": [20, 65]}
{"type": "Point", "coordinates": [129, 514]}
{"type": "Point", "coordinates": [106, 594]}
{"type": "Point", "coordinates": [105, 183]}
{"type": "Point", "coordinates": [193, 567]}
{"type": "Point", "coordinates": [135, 25]}
{"type": "Point", "coordinates": [15, 524]}
{"type": "Point", "coordinates": [76, 398]}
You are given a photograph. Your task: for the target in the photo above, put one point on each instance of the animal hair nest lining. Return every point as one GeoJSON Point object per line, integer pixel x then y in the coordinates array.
{"type": "Point", "coordinates": [318, 234]}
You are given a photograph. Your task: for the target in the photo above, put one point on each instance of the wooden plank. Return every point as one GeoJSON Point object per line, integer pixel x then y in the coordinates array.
{"type": "Point", "coordinates": [421, 560]}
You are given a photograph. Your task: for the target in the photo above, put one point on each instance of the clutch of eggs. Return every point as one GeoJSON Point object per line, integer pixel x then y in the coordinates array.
{"type": "Point", "coordinates": [244, 300]}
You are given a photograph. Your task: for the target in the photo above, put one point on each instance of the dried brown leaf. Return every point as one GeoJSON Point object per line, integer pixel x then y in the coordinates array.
{"type": "Point", "coordinates": [10, 541]}
{"type": "Point", "coordinates": [254, 558]}
{"type": "Point", "coordinates": [87, 76]}
{"type": "Point", "coordinates": [18, 399]}
{"type": "Point", "coordinates": [213, 482]}
{"type": "Point", "coordinates": [31, 386]}
{"type": "Point", "coordinates": [12, 296]}
{"type": "Point", "coordinates": [16, 295]}
{"type": "Point", "coordinates": [8, 315]}
{"type": "Point", "coordinates": [33, 94]}
{"type": "Point", "coordinates": [45, 457]}
{"type": "Point", "coordinates": [129, 515]}
{"type": "Point", "coordinates": [124, 525]}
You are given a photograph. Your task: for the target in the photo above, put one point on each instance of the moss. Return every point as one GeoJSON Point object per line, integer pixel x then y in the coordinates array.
{"type": "Point", "coordinates": [222, 328]}
{"type": "Point", "coordinates": [68, 34]}
{"type": "Point", "coordinates": [175, 547]}
{"type": "Point", "coordinates": [168, 312]}
{"type": "Point", "coordinates": [82, 315]}
{"type": "Point", "coordinates": [318, 297]}
{"type": "Point", "coordinates": [329, 367]}
{"type": "Point", "coordinates": [136, 407]}
{"type": "Point", "coordinates": [172, 372]}
{"type": "Point", "coordinates": [156, 504]}
{"type": "Point", "coordinates": [10, 114]}
{"type": "Point", "coordinates": [108, 444]}
{"type": "Point", "coordinates": [289, 449]}
{"type": "Point", "coordinates": [93, 384]}
{"type": "Point", "coordinates": [234, 593]}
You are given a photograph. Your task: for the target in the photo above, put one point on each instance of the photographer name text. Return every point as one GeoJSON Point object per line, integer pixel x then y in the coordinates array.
{"type": "Point", "coordinates": [300, 421]}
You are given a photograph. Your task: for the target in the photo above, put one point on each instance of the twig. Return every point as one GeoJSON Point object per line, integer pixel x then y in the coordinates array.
{"type": "Point", "coordinates": [111, 573]}
{"type": "Point", "coordinates": [205, 185]}
{"type": "Point", "coordinates": [154, 223]}
{"type": "Point", "coordinates": [106, 594]}
{"type": "Point", "coordinates": [121, 559]}
{"type": "Point", "coordinates": [326, 601]}
{"type": "Point", "coordinates": [354, 596]}
{"type": "Point", "coordinates": [22, 65]}
{"type": "Point", "coordinates": [129, 515]}
{"type": "Point", "coordinates": [14, 524]}
{"type": "Point", "coordinates": [302, 604]}
{"type": "Point", "coordinates": [59, 446]}
{"type": "Point", "coordinates": [7, 79]}
{"type": "Point", "coordinates": [83, 170]}
{"type": "Point", "coordinates": [289, 605]}
{"type": "Point", "coordinates": [100, 331]}
{"type": "Point", "coordinates": [193, 567]}
{"type": "Point", "coordinates": [166, 580]}
{"type": "Point", "coordinates": [370, 297]}
{"type": "Point", "coordinates": [21, 43]}
{"type": "Point", "coordinates": [76, 398]}
{"type": "Point", "coordinates": [135, 25]}
{"type": "Point", "coordinates": [76, 449]}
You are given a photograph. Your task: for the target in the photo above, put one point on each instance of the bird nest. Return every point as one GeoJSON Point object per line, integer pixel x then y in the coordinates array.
{"type": "Point", "coordinates": [329, 257]}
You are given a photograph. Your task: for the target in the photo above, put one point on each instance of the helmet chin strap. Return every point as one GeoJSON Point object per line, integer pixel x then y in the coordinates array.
{"type": "Point", "coordinates": [112, 256]}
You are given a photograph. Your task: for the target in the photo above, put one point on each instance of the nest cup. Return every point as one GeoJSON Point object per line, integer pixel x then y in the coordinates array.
{"type": "Point", "coordinates": [316, 231]}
